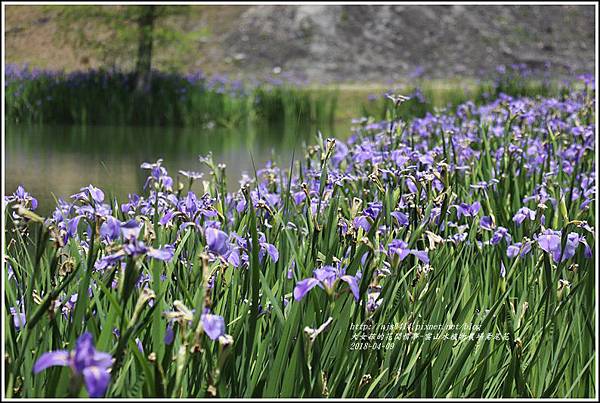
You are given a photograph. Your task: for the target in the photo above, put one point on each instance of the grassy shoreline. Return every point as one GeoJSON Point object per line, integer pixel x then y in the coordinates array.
{"type": "Point", "coordinates": [109, 98]}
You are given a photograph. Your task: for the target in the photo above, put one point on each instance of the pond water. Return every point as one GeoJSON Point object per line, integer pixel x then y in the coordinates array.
{"type": "Point", "coordinates": [56, 161]}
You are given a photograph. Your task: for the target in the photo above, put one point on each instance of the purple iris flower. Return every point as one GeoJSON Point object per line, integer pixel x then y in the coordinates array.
{"type": "Point", "coordinates": [23, 198]}
{"type": "Point", "coordinates": [69, 306]}
{"type": "Point", "coordinates": [468, 210]}
{"type": "Point", "coordinates": [523, 214]}
{"type": "Point", "coordinates": [299, 197]}
{"type": "Point", "coordinates": [550, 242]}
{"type": "Point", "coordinates": [363, 222]}
{"type": "Point", "coordinates": [486, 223]}
{"type": "Point", "coordinates": [10, 271]}
{"type": "Point", "coordinates": [573, 240]}
{"type": "Point", "coordinates": [166, 218]}
{"type": "Point", "coordinates": [110, 229]}
{"type": "Point", "coordinates": [483, 184]}
{"type": "Point", "coordinates": [213, 325]}
{"type": "Point", "coordinates": [373, 209]}
{"type": "Point", "coordinates": [412, 187]}
{"type": "Point", "coordinates": [238, 255]}
{"type": "Point", "coordinates": [132, 205]}
{"type": "Point", "coordinates": [267, 248]}
{"type": "Point", "coordinates": [72, 226]}
{"type": "Point", "coordinates": [84, 361]}
{"type": "Point", "coordinates": [373, 298]}
{"type": "Point", "coordinates": [400, 248]}
{"type": "Point", "coordinates": [341, 151]}
{"type": "Point", "coordinates": [400, 217]}
{"type": "Point", "coordinates": [130, 229]}
{"type": "Point", "coordinates": [236, 258]}
{"type": "Point", "coordinates": [421, 255]}
{"type": "Point", "coordinates": [368, 215]}
{"type": "Point", "coordinates": [191, 206]}
{"type": "Point", "coordinates": [500, 234]}
{"type": "Point", "coordinates": [326, 277]}
{"type": "Point", "coordinates": [217, 241]}
{"type": "Point", "coordinates": [240, 206]}
{"type": "Point", "coordinates": [158, 174]}
{"type": "Point", "coordinates": [518, 248]}
{"type": "Point", "coordinates": [90, 193]}
{"type": "Point", "coordinates": [134, 247]}
{"type": "Point", "coordinates": [165, 253]}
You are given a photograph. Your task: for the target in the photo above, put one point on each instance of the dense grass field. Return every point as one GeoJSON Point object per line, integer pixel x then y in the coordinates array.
{"type": "Point", "coordinates": [445, 256]}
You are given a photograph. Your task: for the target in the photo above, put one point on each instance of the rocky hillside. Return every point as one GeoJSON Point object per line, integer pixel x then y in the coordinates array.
{"type": "Point", "coordinates": [351, 43]}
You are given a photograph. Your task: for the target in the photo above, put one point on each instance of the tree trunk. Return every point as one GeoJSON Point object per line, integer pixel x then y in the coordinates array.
{"type": "Point", "coordinates": [143, 68]}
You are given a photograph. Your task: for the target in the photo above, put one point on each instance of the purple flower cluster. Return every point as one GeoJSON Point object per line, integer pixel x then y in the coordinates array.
{"type": "Point", "coordinates": [349, 217]}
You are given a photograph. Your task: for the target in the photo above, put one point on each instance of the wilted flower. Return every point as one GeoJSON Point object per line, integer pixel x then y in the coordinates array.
{"type": "Point", "coordinates": [397, 99]}
{"type": "Point", "coordinates": [313, 333]}
{"type": "Point", "coordinates": [191, 174]}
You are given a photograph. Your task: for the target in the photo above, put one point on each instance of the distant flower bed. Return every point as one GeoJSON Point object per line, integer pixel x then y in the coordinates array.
{"type": "Point", "coordinates": [514, 80]}
{"type": "Point", "coordinates": [446, 256]}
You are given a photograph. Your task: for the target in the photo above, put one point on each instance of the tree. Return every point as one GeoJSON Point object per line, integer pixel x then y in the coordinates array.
{"type": "Point", "coordinates": [143, 66]}
{"type": "Point", "coordinates": [114, 34]}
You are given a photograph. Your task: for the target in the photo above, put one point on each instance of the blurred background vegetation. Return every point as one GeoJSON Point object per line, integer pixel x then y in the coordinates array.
{"type": "Point", "coordinates": [87, 85]}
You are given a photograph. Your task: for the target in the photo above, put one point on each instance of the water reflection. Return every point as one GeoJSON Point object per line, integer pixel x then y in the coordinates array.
{"type": "Point", "coordinates": [55, 161]}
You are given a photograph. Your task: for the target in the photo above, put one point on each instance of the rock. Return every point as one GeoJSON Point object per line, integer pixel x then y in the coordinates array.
{"type": "Point", "coordinates": [373, 41]}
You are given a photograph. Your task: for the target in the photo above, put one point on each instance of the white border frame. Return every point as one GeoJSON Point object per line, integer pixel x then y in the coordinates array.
{"type": "Point", "coordinates": [296, 3]}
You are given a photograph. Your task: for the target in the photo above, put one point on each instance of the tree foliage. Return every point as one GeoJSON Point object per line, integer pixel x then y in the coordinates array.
{"type": "Point", "coordinates": [111, 34]}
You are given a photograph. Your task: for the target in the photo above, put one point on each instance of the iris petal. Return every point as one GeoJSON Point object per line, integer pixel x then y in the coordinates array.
{"type": "Point", "coordinates": [50, 359]}
{"type": "Point", "coordinates": [96, 380]}
{"type": "Point", "coordinates": [353, 283]}
{"type": "Point", "coordinates": [303, 287]}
